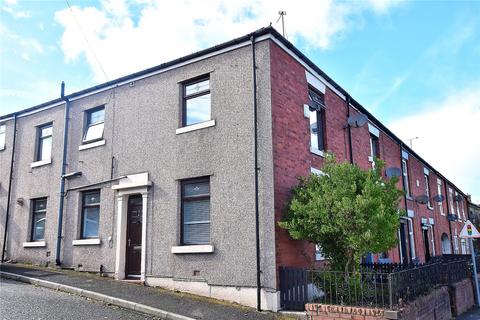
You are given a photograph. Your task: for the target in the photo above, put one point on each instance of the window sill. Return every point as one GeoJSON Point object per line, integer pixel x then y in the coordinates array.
{"type": "Point", "coordinates": [193, 249]}
{"type": "Point", "coordinates": [37, 164]}
{"type": "Point", "coordinates": [34, 244]}
{"type": "Point", "coordinates": [409, 198]}
{"type": "Point", "coordinates": [317, 152]}
{"type": "Point", "coordinates": [197, 126]}
{"type": "Point", "coordinates": [3, 148]}
{"type": "Point", "coordinates": [86, 242]}
{"type": "Point", "coordinates": [92, 145]}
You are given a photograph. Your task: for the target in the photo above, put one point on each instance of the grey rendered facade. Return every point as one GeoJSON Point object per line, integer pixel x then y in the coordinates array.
{"type": "Point", "coordinates": [143, 152]}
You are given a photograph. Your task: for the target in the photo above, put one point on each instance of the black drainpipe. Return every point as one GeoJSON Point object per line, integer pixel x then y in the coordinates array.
{"type": "Point", "coordinates": [350, 147]}
{"type": "Point", "coordinates": [448, 212]}
{"type": "Point", "coordinates": [9, 186]}
{"type": "Point", "coordinates": [62, 177]}
{"type": "Point", "coordinates": [257, 224]}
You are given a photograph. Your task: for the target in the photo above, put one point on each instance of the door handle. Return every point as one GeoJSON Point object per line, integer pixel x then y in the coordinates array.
{"type": "Point", "coordinates": [128, 242]}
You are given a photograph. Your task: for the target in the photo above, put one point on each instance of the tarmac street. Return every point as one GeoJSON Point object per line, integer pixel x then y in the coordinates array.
{"type": "Point", "coordinates": [23, 301]}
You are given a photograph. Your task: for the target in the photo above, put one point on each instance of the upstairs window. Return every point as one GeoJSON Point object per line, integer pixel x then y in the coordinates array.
{"type": "Point", "coordinates": [457, 205]}
{"type": "Point", "coordinates": [317, 120]}
{"type": "Point", "coordinates": [44, 143]}
{"type": "Point", "coordinates": [439, 192]}
{"type": "Point", "coordinates": [196, 211]}
{"type": "Point", "coordinates": [406, 182]}
{"type": "Point", "coordinates": [39, 214]}
{"type": "Point", "coordinates": [196, 102]}
{"type": "Point", "coordinates": [450, 196]}
{"type": "Point", "coordinates": [3, 129]}
{"type": "Point", "coordinates": [427, 190]}
{"type": "Point", "coordinates": [94, 124]}
{"type": "Point", "coordinates": [90, 214]}
{"type": "Point", "coordinates": [374, 146]}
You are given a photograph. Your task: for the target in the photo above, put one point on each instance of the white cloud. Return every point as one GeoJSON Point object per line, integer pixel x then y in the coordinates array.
{"type": "Point", "coordinates": [164, 30]}
{"type": "Point", "coordinates": [16, 13]}
{"type": "Point", "coordinates": [449, 137]}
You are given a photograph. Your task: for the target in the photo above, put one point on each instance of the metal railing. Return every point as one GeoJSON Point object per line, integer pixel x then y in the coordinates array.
{"type": "Point", "coordinates": [390, 289]}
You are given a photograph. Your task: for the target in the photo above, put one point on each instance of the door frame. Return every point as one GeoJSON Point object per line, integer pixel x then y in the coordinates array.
{"type": "Point", "coordinates": [130, 185]}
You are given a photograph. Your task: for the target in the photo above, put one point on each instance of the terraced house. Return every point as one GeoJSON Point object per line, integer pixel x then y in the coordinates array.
{"type": "Point", "coordinates": [177, 175]}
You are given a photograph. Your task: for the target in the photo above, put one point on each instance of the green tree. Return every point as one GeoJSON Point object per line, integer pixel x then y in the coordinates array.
{"type": "Point", "coordinates": [348, 211]}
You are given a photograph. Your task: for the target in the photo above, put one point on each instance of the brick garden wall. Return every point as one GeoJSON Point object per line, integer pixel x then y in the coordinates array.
{"type": "Point", "coordinates": [462, 298]}
{"type": "Point", "coordinates": [435, 305]}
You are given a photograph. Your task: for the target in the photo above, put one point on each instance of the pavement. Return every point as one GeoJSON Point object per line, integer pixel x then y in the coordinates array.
{"type": "Point", "coordinates": [158, 302]}
{"type": "Point", "coordinates": [473, 314]}
{"type": "Point", "coordinates": [22, 301]}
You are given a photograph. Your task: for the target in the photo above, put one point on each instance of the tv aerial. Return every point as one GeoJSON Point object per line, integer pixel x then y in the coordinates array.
{"type": "Point", "coordinates": [281, 15]}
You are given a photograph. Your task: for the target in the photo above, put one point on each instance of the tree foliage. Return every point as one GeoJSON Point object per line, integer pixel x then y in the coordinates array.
{"type": "Point", "coordinates": [348, 211]}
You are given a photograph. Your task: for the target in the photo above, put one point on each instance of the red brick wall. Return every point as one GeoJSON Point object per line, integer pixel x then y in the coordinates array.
{"type": "Point", "coordinates": [292, 157]}
{"type": "Point", "coordinates": [462, 297]}
{"type": "Point", "coordinates": [435, 305]}
{"type": "Point", "coordinates": [290, 149]}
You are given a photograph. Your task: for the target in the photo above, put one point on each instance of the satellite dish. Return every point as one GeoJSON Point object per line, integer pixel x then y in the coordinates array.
{"type": "Point", "coordinates": [357, 120]}
{"type": "Point", "coordinates": [422, 199]}
{"type": "Point", "coordinates": [393, 172]}
{"type": "Point", "coordinates": [438, 198]}
{"type": "Point", "coordinates": [457, 198]}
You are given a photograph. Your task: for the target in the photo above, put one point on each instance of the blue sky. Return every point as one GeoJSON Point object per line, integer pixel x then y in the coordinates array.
{"type": "Point", "coordinates": [414, 64]}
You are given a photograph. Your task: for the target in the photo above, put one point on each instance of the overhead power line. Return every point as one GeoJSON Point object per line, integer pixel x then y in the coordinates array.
{"type": "Point", "coordinates": [86, 40]}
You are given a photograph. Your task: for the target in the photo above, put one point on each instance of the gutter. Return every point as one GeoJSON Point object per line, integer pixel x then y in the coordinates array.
{"type": "Point", "coordinates": [10, 179]}
{"type": "Point", "coordinates": [256, 168]}
{"type": "Point", "coordinates": [62, 177]}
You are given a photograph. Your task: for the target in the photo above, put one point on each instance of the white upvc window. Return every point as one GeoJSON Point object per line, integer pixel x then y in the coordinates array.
{"type": "Point", "coordinates": [457, 206]}
{"type": "Point", "coordinates": [94, 124]}
{"type": "Point", "coordinates": [44, 143]}
{"type": "Point", "coordinates": [406, 184]}
{"type": "Point", "coordinates": [464, 246]}
{"type": "Point", "coordinates": [318, 253]}
{"type": "Point", "coordinates": [450, 196]}
{"type": "Point", "coordinates": [317, 121]}
{"type": "Point", "coordinates": [439, 192]}
{"type": "Point", "coordinates": [455, 241]}
{"type": "Point", "coordinates": [427, 191]}
{"type": "Point", "coordinates": [3, 129]}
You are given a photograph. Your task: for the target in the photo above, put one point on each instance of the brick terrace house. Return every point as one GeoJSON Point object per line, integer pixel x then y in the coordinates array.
{"type": "Point", "coordinates": [177, 175]}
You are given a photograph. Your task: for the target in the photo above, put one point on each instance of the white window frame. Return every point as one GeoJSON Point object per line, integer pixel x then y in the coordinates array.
{"type": "Point", "coordinates": [318, 253]}
{"type": "Point", "coordinates": [426, 179]}
{"type": "Point", "coordinates": [41, 138]}
{"type": "Point", "coordinates": [406, 185]}
{"type": "Point", "coordinates": [3, 136]}
{"type": "Point", "coordinates": [456, 205]}
{"type": "Point", "coordinates": [89, 125]}
{"type": "Point", "coordinates": [195, 95]}
{"type": "Point", "coordinates": [439, 190]}
{"type": "Point", "coordinates": [450, 195]}
{"type": "Point", "coordinates": [455, 241]}
{"type": "Point", "coordinates": [412, 238]}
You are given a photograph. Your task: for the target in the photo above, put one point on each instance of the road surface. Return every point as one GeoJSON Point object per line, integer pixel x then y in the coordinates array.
{"type": "Point", "coordinates": [24, 301]}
